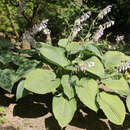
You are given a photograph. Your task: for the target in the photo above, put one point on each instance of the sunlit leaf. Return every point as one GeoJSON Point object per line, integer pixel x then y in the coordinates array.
{"type": "Point", "coordinates": [119, 86]}
{"type": "Point", "coordinates": [21, 92]}
{"type": "Point", "coordinates": [63, 109]}
{"type": "Point", "coordinates": [112, 106]}
{"type": "Point", "coordinates": [93, 48]}
{"type": "Point", "coordinates": [114, 59]}
{"type": "Point", "coordinates": [87, 90]}
{"type": "Point", "coordinates": [73, 47]}
{"type": "Point", "coordinates": [41, 81]}
{"type": "Point", "coordinates": [67, 86]}
{"type": "Point", "coordinates": [54, 55]}
{"type": "Point", "coordinates": [128, 102]}
{"type": "Point", "coordinates": [94, 66]}
{"type": "Point", "coordinates": [63, 42]}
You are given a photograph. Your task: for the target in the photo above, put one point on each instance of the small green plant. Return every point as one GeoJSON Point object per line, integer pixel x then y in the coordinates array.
{"type": "Point", "coordinates": [3, 120]}
{"type": "Point", "coordinates": [2, 111]}
{"type": "Point", "coordinates": [2, 114]}
{"type": "Point", "coordinates": [19, 127]}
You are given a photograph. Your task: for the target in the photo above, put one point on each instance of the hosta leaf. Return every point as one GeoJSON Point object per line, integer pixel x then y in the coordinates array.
{"type": "Point", "coordinates": [63, 42]}
{"type": "Point", "coordinates": [93, 48]}
{"type": "Point", "coordinates": [94, 66]}
{"type": "Point", "coordinates": [19, 60]}
{"type": "Point", "coordinates": [73, 47]}
{"type": "Point", "coordinates": [128, 102]}
{"type": "Point", "coordinates": [21, 92]}
{"type": "Point", "coordinates": [114, 59]}
{"type": "Point", "coordinates": [119, 86]}
{"type": "Point", "coordinates": [87, 90]}
{"type": "Point", "coordinates": [7, 79]}
{"type": "Point", "coordinates": [54, 55]}
{"type": "Point", "coordinates": [112, 106]}
{"type": "Point", "coordinates": [41, 81]}
{"type": "Point", "coordinates": [63, 109]}
{"type": "Point", "coordinates": [27, 66]}
{"type": "Point", "coordinates": [6, 57]}
{"type": "Point", "coordinates": [74, 80]}
{"type": "Point", "coordinates": [67, 86]}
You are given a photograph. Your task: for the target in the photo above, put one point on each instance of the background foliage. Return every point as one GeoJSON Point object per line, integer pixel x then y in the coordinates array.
{"type": "Point", "coordinates": [61, 14]}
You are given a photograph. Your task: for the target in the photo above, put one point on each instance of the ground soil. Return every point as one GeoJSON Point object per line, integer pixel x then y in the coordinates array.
{"type": "Point", "coordinates": [33, 113]}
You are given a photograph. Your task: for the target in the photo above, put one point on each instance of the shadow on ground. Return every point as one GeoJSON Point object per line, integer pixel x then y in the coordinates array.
{"type": "Point", "coordinates": [88, 121]}
{"type": "Point", "coordinates": [33, 106]}
{"type": "Point", "coordinates": [5, 98]}
{"type": "Point", "coordinates": [81, 121]}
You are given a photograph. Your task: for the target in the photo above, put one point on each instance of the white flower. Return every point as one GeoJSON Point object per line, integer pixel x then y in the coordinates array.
{"type": "Point", "coordinates": [119, 38]}
{"type": "Point", "coordinates": [91, 64]}
{"type": "Point", "coordinates": [85, 16]}
{"type": "Point", "coordinates": [46, 31]}
{"type": "Point", "coordinates": [82, 67]}
{"type": "Point", "coordinates": [39, 27]}
{"type": "Point", "coordinates": [45, 21]}
{"type": "Point", "coordinates": [104, 12]}
{"type": "Point", "coordinates": [124, 67]}
{"type": "Point", "coordinates": [108, 24]}
{"type": "Point", "coordinates": [77, 25]}
{"type": "Point", "coordinates": [98, 34]}
{"type": "Point", "coordinates": [107, 9]}
{"type": "Point", "coordinates": [78, 28]}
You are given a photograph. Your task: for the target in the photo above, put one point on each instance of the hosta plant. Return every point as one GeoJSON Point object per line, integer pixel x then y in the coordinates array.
{"type": "Point", "coordinates": [71, 72]}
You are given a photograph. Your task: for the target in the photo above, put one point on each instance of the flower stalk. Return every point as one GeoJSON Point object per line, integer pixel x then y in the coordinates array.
{"type": "Point", "coordinates": [28, 36]}
{"type": "Point", "coordinates": [78, 25]}
{"type": "Point", "coordinates": [99, 33]}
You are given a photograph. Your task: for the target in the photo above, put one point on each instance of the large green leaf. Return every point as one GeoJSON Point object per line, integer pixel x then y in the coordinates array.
{"type": "Point", "coordinates": [63, 42]}
{"type": "Point", "coordinates": [119, 86]}
{"type": "Point", "coordinates": [112, 106]}
{"type": "Point", "coordinates": [54, 55]}
{"type": "Point", "coordinates": [114, 59]}
{"type": "Point", "coordinates": [7, 57]}
{"type": "Point", "coordinates": [128, 102]}
{"type": "Point", "coordinates": [73, 47]}
{"type": "Point", "coordinates": [63, 109]}
{"type": "Point", "coordinates": [7, 79]}
{"type": "Point", "coordinates": [94, 66]}
{"type": "Point", "coordinates": [41, 81]}
{"type": "Point", "coordinates": [92, 48]}
{"type": "Point", "coordinates": [27, 66]}
{"type": "Point", "coordinates": [67, 86]}
{"type": "Point", "coordinates": [21, 92]}
{"type": "Point", "coordinates": [74, 80]}
{"type": "Point", "coordinates": [19, 60]}
{"type": "Point", "coordinates": [87, 90]}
